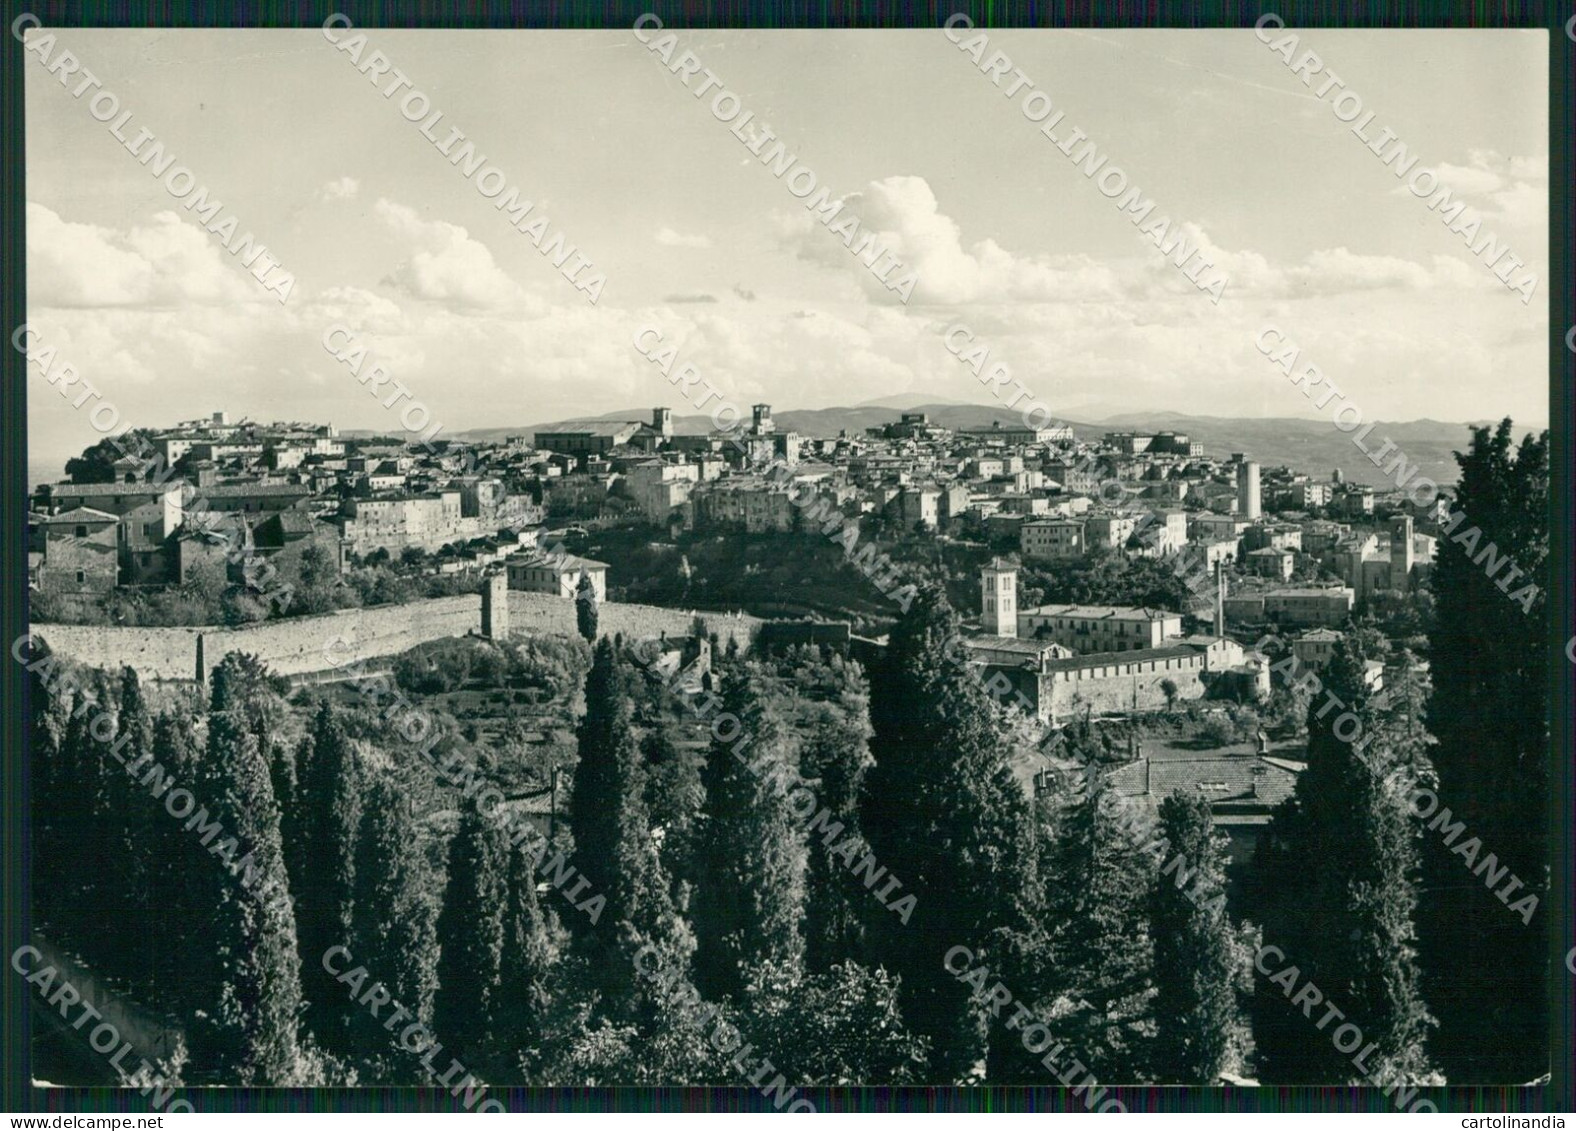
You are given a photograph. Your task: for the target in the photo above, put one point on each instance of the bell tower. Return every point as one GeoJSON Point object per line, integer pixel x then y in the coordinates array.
{"type": "Point", "coordinates": [999, 598]}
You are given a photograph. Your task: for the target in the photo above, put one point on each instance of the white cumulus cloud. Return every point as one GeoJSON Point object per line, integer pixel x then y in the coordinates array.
{"type": "Point", "coordinates": [342, 188]}
{"type": "Point", "coordinates": [447, 266]}
{"type": "Point", "coordinates": [667, 237]}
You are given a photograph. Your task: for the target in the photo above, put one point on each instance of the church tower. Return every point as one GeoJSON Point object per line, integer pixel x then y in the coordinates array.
{"type": "Point", "coordinates": [999, 598]}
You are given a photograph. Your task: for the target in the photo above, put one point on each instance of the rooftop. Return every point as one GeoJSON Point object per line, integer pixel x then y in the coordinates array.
{"type": "Point", "coordinates": [246, 490]}
{"type": "Point", "coordinates": [1228, 779]}
{"type": "Point", "coordinates": [591, 428]}
{"type": "Point", "coordinates": [75, 515]}
{"type": "Point", "coordinates": [1101, 659]}
{"type": "Point", "coordinates": [290, 522]}
{"type": "Point", "coordinates": [567, 563]}
{"type": "Point", "coordinates": [87, 490]}
{"type": "Point", "coordinates": [1012, 644]}
{"type": "Point", "coordinates": [1100, 612]}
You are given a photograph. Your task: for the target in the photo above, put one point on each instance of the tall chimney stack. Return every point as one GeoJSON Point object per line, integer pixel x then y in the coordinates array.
{"type": "Point", "coordinates": [1248, 497]}
{"type": "Point", "coordinates": [1220, 599]}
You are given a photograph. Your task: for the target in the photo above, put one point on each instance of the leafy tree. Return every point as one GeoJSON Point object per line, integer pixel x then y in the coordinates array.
{"type": "Point", "coordinates": [471, 933]}
{"type": "Point", "coordinates": [941, 808]}
{"type": "Point", "coordinates": [96, 463]}
{"type": "Point", "coordinates": [237, 607]}
{"type": "Point", "coordinates": [750, 893]}
{"type": "Point", "coordinates": [314, 581]}
{"type": "Point", "coordinates": [1490, 712]}
{"type": "Point", "coordinates": [1107, 577]}
{"type": "Point", "coordinates": [206, 582]}
{"type": "Point", "coordinates": [1202, 965]}
{"type": "Point", "coordinates": [582, 1048]}
{"type": "Point", "coordinates": [393, 928]}
{"type": "Point", "coordinates": [841, 1026]}
{"type": "Point", "coordinates": [586, 608]}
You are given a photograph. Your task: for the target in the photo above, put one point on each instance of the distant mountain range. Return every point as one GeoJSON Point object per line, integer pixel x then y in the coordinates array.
{"type": "Point", "coordinates": [1315, 447]}
{"type": "Point", "coordinates": [907, 402]}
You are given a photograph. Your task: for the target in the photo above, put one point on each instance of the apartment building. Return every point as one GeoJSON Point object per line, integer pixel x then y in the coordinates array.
{"type": "Point", "coordinates": [1052, 538]}
{"type": "Point", "coordinates": [1100, 628]}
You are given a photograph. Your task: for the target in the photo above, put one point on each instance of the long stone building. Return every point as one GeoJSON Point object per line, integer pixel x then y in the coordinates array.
{"type": "Point", "coordinates": [1066, 659]}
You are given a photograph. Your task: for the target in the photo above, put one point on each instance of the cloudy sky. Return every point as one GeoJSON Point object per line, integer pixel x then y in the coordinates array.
{"type": "Point", "coordinates": [695, 236]}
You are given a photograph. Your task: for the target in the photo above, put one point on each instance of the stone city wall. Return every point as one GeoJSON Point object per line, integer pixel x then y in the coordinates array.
{"type": "Point", "coordinates": [295, 646]}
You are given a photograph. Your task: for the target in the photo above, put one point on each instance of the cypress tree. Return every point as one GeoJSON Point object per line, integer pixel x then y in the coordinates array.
{"type": "Point", "coordinates": [72, 892]}
{"type": "Point", "coordinates": [614, 851]}
{"type": "Point", "coordinates": [1202, 964]}
{"type": "Point", "coordinates": [249, 1035]}
{"type": "Point", "coordinates": [89, 823]}
{"type": "Point", "coordinates": [1349, 923]}
{"type": "Point", "coordinates": [296, 820]}
{"type": "Point", "coordinates": [129, 867]}
{"type": "Point", "coordinates": [1024, 957]}
{"type": "Point", "coordinates": [49, 714]}
{"type": "Point", "coordinates": [471, 933]}
{"type": "Point", "coordinates": [283, 772]}
{"type": "Point", "coordinates": [750, 894]}
{"type": "Point", "coordinates": [586, 608]}
{"type": "Point", "coordinates": [523, 972]}
{"type": "Point", "coordinates": [330, 821]}
{"type": "Point", "coordinates": [945, 816]}
{"type": "Point", "coordinates": [836, 757]}
{"type": "Point", "coordinates": [674, 798]}
{"type": "Point", "coordinates": [1096, 898]}
{"type": "Point", "coordinates": [1490, 712]}
{"type": "Point", "coordinates": [182, 867]}
{"type": "Point", "coordinates": [394, 930]}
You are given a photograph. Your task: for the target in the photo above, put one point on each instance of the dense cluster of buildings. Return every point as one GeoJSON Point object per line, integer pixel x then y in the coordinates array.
{"type": "Point", "coordinates": [1277, 551]}
{"type": "Point", "coordinates": [240, 496]}
{"type": "Point", "coordinates": [1289, 551]}
{"type": "Point", "coordinates": [1285, 552]}
{"type": "Point", "coordinates": [1063, 660]}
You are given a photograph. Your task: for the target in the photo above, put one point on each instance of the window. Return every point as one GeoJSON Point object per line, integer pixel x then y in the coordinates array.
{"type": "Point", "coordinates": [81, 531]}
{"type": "Point", "coordinates": [82, 577]}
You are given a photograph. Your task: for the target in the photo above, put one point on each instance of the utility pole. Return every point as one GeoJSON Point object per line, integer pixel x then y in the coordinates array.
{"type": "Point", "coordinates": [552, 808]}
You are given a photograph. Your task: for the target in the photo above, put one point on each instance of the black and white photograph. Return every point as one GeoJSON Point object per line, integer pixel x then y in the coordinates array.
{"type": "Point", "coordinates": [781, 562]}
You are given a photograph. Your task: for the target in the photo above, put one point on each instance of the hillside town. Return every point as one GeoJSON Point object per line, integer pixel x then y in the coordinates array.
{"type": "Point", "coordinates": [1128, 627]}
{"type": "Point", "coordinates": [590, 648]}
{"type": "Point", "coordinates": [1266, 553]}
{"type": "Point", "coordinates": [1279, 547]}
